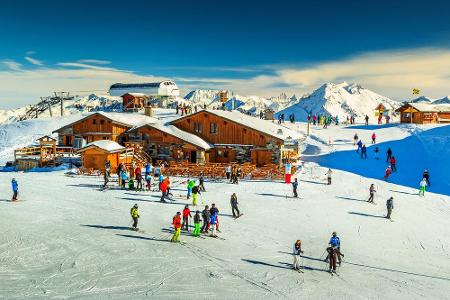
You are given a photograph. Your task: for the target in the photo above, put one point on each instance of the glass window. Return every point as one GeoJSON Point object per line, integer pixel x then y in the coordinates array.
{"type": "Point", "coordinates": [94, 121]}
{"type": "Point", "coordinates": [198, 127]}
{"type": "Point", "coordinates": [213, 128]}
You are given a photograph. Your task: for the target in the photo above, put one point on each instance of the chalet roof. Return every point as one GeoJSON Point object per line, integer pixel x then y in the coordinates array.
{"type": "Point", "coordinates": [106, 145]}
{"type": "Point", "coordinates": [263, 126]}
{"type": "Point", "coordinates": [139, 95]}
{"type": "Point", "coordinates": [126, 119]}
{"type": "Point", "coordinates": [178, 133]}
{"type": "Point", "coordinates": [426, 107]}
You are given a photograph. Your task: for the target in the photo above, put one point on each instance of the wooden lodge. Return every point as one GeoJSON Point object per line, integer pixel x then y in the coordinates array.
{"type": "Point", "coordinates": [424, 113]}
{"type": "Point", "coordinates": [134, 101]}
{"type": "Point", "coordinates": [94, 155]}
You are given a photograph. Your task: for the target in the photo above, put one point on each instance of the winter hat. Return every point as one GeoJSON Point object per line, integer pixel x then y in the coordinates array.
{"type": "Point", "coordinates": [136, 205]}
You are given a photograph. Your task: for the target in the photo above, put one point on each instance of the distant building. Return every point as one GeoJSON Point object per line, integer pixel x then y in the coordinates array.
{"type": "Point", "coordinates": [134, 101]}
{"type": "Point", "coordinates": [164, 92]}
{"type": "Point", "coordinates": [422, 113]}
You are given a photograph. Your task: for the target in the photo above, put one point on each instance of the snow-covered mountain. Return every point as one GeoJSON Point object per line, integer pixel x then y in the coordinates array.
{"type": "Point", "coordinates": [422, 99]}
{"type": "Point", "coordinates": [339, 100]}
{"type": "Point", "coordinates": [445, 100]}
{"type": "Point", "coordinates": [425, 99]}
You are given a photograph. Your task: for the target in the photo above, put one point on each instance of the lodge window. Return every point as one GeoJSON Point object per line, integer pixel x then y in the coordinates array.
{"type": "Point", "coordinates": [94, 121]}
{"type": "Point", "coordinates": [406, 115]}
{"type": "Point", "coordinates": [198, 127]}
{"type": "Point", "coordinates": [213, 128]}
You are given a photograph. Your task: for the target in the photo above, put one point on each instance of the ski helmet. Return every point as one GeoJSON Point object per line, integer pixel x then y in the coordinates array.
{"type": "Point", "coordinates": [136, 205]}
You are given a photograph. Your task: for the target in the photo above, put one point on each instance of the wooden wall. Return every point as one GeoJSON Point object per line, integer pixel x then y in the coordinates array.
{"type": "Point", "coordinates": [95, 158]}
{"type": "Point", "coordinates": [163, 138]}
{"type": "Point", "coordinates": [94, 125]}
{"type": "Point", "coordinates": [228, 132]}
{"type": "Point", "coordinates": [130, 101]}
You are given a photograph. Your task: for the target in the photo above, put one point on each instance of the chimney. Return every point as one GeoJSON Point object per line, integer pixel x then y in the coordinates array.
{"type": "Point", "coordinates": [148, 108]}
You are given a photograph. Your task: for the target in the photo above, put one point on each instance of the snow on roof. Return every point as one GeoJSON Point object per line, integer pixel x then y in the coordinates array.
{"type": "Point", "coordinates": [135, 94]}
{"type": "Point", "coordinates": [427, 107]}
{"type": "Point", "coordinates": [109, 146]}
{"type": "Point", "coordinates": [264, 126]}
{"type": "Point", "coordinates": [183, 135]}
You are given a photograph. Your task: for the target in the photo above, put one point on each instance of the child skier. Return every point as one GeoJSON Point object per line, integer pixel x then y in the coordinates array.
{"type": "Point", "coordinates": [387, 173]}
{"type": "Point", "coordinates": [197, 221]}
{"type": "Point", "coordinates": [390, 207]}
{"type": "Point", "coordinates": [294, 187]}
{"type": "Point", "coordinates": [176, 221]}
{"type": "Point", "coordinates": [148, 181]}
{"type": "Point", "coordinates": [297, 251]}
{"type": "Point", "coordinates": [135, 216]}
{"type": "Point", "coordinates": [195, 192]}
{"type": "Point", "coordinates": [206, 215]}
{"type": "Point", "coordinates": [15, 189]}
{"type": "Point", "coordinates": [422, 187]}
{"type": "Point", "coordinates": [186, 216]}
{"type": "Point", "coordinates": [372, 193]}
{"type": "Point", "coordinates": [334, 255]}
{"type": "Point", "coordinates": [131, 184]}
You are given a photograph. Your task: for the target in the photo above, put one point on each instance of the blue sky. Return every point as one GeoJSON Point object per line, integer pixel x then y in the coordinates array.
{"type": "Point", "coordinates": [257, 47]}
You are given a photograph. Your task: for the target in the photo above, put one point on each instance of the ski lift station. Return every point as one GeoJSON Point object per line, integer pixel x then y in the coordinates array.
{"type": "Point", "coordinates": [164, 91]}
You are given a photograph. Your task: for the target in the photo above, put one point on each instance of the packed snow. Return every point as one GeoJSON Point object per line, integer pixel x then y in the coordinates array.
{"type": "Point", "coordinates": [109, 146]}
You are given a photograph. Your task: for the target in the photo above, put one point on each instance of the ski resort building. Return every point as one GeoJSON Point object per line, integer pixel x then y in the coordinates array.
{"type": "Point", "coordinates": [424, 113]}
{"type": "Point", "coordinates": [94, 155]}
{"type": "Point", "coordinates": [134, 101]}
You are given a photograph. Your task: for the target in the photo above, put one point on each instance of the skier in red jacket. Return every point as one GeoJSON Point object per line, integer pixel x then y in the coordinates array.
{"type": "Point", "coordinates": [176, 221]}
{"type": "Point", "coordinates": [374, 138]}
{"type": "Point", "coordinates": [186, 215]}
{"type": "Point", "coordinates": [393, 162]}
{"type": "Point", "coordinates": [388, 172]}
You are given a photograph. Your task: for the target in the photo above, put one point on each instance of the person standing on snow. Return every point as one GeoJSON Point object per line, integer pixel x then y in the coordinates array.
{"type": "Point", "coordinates": [228, 172]}
{"type": "Point", "coordinates": [426, 175]}
{"type": "Point", "coordinates": [422, 186]}
{"type": "Point", "coordinates": [328, 173]}
{"type": "Point", "coordinates": [334, 254]}
{"type": "Point", "coordinates": [176, 221]}
{"type": "Point", "coordinates": [135, 216]}
{"type": "Point", "coordinates": [164, 190]}
{"type": "Point", "coordinates": [335, 242]}
{"type": "Point", "coordinates": [119, 174]}
{"type": "Point", "coordinates": [15, 189]}
{"type": "Point", "coordinates": [387, 173]}
{"type": "Point", "coordinates": [294, 187]}
{"type": "Point", "coordinates": [148, 181]}
{"type": "Point", "coordinates": [195, 192]}
{"type": "Point", "coordinates": [376, 153]}
{"type": "Point", "coordinates": [124, 178]}
{"type": "Point", "coordinates": [234, 206]}
{"type": "Point", "coordinates": [190, 185]}
{"type": "Point", "coordinates": [206, 215]}
{"type": "Point", "coordinates": [360, 144]}
{"type": "Point", "coordinates": [213, 221]}
{"type": "Point", "coordinates": [364, 152]}
{"type": "Point", "coordinates": [355, 139]}
{"type": "Point", "coordinates": [148, 169]}
{"type": "Point", "coordinates": [367, 120]}
{"type": "Point", "coordinates": [201, 183]}
{"type": "Point", "coordinates": [393, 162]}
{"type": "Point", "coordinates": [372, 193]}
{"type": "Point", "coordinates": [388, 154]}
{"type": "Point", "coordinates": [197, 221]}
{"type": "Point", "coordinates": [374, 138]}
{"type": "Point", "coordinates": [390, 207]}
{"type": "Point", "coordinates": [297, 251]}
{"type": "Point", "coordinates": [215, 210]}
{"type": "Point", "coordinates": [186, 216]}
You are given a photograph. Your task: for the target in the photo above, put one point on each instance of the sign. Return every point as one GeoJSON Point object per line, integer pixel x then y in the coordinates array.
{"type": "Point", "coordinates": [416, 91]}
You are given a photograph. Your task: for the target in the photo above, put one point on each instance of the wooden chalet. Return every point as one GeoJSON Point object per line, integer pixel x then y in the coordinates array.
{"type": "Point", "coordinates": [134, 101]}
{"type": "Point", "coordinates": [424, 113]}
{"type": "Point", "coordinates": [237, 137]}
{"type": "Point", "coordinates": [94, 155]}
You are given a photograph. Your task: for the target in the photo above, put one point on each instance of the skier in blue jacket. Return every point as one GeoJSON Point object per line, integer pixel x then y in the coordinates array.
{"type": "Point", "coordinates": [15, 188]}
{"type": "Point", "coordinates": [335, 242]}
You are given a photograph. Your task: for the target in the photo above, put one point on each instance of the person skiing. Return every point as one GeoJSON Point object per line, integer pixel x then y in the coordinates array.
{"type": "Point", "coordinates": [388, 154]}
{"type": "Point", "coordinates": [163, 188]}
{"type": "Point", "coordinates": [334, 254]}
{"type": "Point", "coordinates": [197, 221]}
{"type": "Point", "coordinates": [376, 153]}
{"type": "Point", "coordinates": [355, 139]}
{"type": "Point", "coordinates": [215, 210]}
{"type": "Point", "coordinates": [426, 175]}
{"type": "Point", "coordinates": [15, 189]}
{"type": "Point", "coordinates": [228, 172]}
{"type": "Point", "coordinates": [297, 251]}
{"type": "Point", "coordinates": [387, 173]}
{"type": "Point", "coordinates": [190, 185]}
{"type": "Point", "coordinates": [294, 187]}
{"type": "Point", "coordinates": [360, 144]}
{"type": "Point", "coordinates": [393, 162]}
{"type": "Point", "coordinates": [374, 138]}
{"type": "Point", "coordinates": [364, 152]}
{"type": "Point", "coordinates": [234, 206]}
{"type": "Point", "coordinates": [367, 120]}
{"type": "Point", "coordinates": [422, 186]}
{"type": "Point", "coordinates": [206, 215]}
{"type": "Point", "coordinates": [135, 216]}
{"type": "Point", "coordinates": [186, 216]}
{"type": "Point", "coordinates": [371, 193]}
{"type": "Point", "coordinates": [201, 183]}
{"type": "Point", "coordinates": [195, 192]}
{"type": "Point", "coordinates": [334, 242]}
{"type": "Point", "coordinates": [213, 221]}
{"type": "Point", "coordinates": [314, 119]}
{"type": "Point", "coordinates": [390, 207]}
{"type": "Point", "coordinates": [176, 221]}
{"type": "Point", "coordinates": [328, 173]}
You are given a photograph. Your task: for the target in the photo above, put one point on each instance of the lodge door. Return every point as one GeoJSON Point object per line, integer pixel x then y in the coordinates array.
{"type": "Point", "coordinates": [193, 156]}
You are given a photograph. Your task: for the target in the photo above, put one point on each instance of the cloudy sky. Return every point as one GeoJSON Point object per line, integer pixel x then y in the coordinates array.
{"type": "Point", "coordinates": [252, 47]}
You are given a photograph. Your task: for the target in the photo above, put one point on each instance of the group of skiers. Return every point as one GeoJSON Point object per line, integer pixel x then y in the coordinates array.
{"type": "Point", "coordinates": [233, 173]}
{"type": "Point", "coordinates": [134, 178]}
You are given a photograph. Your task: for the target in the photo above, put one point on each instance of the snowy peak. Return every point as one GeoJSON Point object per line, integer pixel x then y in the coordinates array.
{"type": "Point", "coordinates": [445, 100]}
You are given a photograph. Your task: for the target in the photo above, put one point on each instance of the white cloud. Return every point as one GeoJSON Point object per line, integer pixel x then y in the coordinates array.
{"type": "Point", "coordinates": [87, 66]}
{"type": "Point", "coordinates": [34, 61]}
{"type": "Point", "coordinates": [11, 64]}
{"type": "Point", "coordinates": [94, 61]}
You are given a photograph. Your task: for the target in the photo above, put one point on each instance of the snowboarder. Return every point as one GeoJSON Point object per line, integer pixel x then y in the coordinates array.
{"type": "Point", "coordinates": [176, 221]}
{"type": "Point", "coordinates": [186, 216]}
{"type": "Point", "coordinates": [234, 206]}
{"type": "Point", "coordinates": [15, 189]}
{"type": "Point", "coordinates": [364, 152]}
{"type": "Point", "coordinates": [372, 193]}
{"type": "Point", "coordinates": [376, 153]}
{"type": "Point", "coordinates": [388, 154]}
{"type": "Point", "coordinates": [228, 172]}
{"type": "Point", "coordinates": [135, 216]}
{"type": "Point", "coordinates": [426, 175]}
{"type": "Point", "coordinates": [297, 251]}
{"type": "Point", "coordinates": [390, 207]}
{"type": "Point", "coordinates": [201, 183]}
{"type": "Point", "coordinates": [328, 173]}
{"type": "Point", "coordinates": [360, 144]}
{"type": "Point", "coordinates": [294, 187]}
{"type": "Point", "coordinates": [423, 185]}
{"type": "Point", "coordinates": [387, 173]}
{"type": "Point", "coordinates": [197, 221]}
{"type": "Point", "coordinates": [374, 138]}
{"type": "Point", "coordinates": [334, 254]}
{"type": "Point", "coordinates": [215, 210]}
{"type": "Point", "coordinates": [195, 192]}
{"type": "Point", "coordinates": [355, 139]}
{"type": "Point", "coordinates": [393, 162]}
{"type": "Point", "coordinates": [367, 120]}
{"type": "Point", "coordinates": [206, 215]}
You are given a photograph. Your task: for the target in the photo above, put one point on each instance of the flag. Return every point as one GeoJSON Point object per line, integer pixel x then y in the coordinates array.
{"type": "Point", "coordinates": [416, 91]}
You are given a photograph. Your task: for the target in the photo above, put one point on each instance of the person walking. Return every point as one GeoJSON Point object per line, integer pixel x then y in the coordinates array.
{"type": "Point", "coordinates": [176, 221]}
{"type": "Point", "coordinates": [206, 215]}
{"type": "Point", "coordinates": [371, 193]}
{"type": "Point", "coordinates": [388, 154]}
{"type": "Point", "coordinates": [355, 139]}
{"type": "Point", "coordinates": [393, 164]}
{"type": "Point", "coordinates": [228, 172]}
{"type": "Point", "coordinates": [367, 120]}
{"type": "Point", "coordinates": [360, 144]}
{"type": "Point", "coordinates": [390, 207]}
{"type": "Point", "coordinates": [186, 216]}
{"type": "Point", "coordinates": [197, 221]}
{"type": "Point", "coordinates": [422, 186]}
{"type": "Point", "coordinates": [426, 175]}
{"type": "Point", "coordinates": [15, 189]}
{"type": "Point", "coordinates": [374, 138]}
{"type": "Point", "coordinates": [234, 206]}
{"type": "Point", "coordinates": [364, 152]}
{"type": "Point", "coordinates": [297, 251]}
{"type": "Point", "coordinates": [376, 153]}
{"type": "Point", "coordinates": [328, 173]}
{"type": "Point", "coordinates": [294, 187]}
{"type": "Point", "coordinates": [387, 173]}
{"type": "Point", "coordinates": [135, 216]}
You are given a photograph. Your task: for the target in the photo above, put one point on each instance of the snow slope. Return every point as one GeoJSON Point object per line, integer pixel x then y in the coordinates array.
{"type": "Point", "coordinates": [339, 99]}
